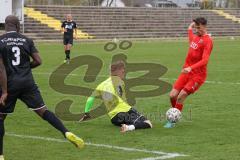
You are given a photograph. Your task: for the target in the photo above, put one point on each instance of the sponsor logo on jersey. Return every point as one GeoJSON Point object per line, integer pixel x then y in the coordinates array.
{"type": "Point", "coordinates": [194, 45]}
{"type": "Point", "coordinates": [69, 26]}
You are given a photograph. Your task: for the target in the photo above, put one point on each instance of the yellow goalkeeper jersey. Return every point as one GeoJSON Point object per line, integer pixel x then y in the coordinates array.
{"type": "Point", "coordinates": [112, 92]}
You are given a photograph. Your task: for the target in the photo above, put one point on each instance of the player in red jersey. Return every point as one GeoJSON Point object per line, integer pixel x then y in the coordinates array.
{"type": "Point", "coordinates": [194, 71]}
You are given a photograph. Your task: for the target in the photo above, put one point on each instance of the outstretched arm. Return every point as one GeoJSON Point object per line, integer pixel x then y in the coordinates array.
{"type": "Point", "coordinates": [88, 106]}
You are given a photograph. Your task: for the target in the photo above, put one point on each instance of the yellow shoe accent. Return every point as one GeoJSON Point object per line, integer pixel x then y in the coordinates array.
{"type": "Point", "coordinates": [67, 61]}
{"type": "Point", "coordinates": [78, 142]}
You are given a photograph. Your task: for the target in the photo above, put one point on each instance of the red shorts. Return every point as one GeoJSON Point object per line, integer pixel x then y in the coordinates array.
{"type": "Point", "coordinates": [189, 82]}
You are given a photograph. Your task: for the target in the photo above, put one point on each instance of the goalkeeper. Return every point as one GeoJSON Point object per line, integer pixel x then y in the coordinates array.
{"type": "Point", "coordinates": [112, 92]}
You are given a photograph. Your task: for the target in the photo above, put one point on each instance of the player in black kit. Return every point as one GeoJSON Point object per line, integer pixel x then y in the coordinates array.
{"type": "Point", "coordinates": [17, 82]}
{"type": "Point", "coordinates": [69, 27]}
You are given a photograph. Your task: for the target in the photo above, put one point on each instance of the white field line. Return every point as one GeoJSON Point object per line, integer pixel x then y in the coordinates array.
{"type": "Point", "coordinates": [160, 155]}
{"type": "Point", "coordinates": [171, 79]}
{"type": "Point", "coordinates": [168, 156]}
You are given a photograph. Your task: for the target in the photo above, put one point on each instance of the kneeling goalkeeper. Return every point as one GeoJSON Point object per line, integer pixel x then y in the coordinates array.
{"type": "Point", "coordinates": [112, 92]}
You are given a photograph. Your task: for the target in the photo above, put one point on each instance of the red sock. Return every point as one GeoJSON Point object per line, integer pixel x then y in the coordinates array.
{"type": "Point", "coordinates": [173, 102]}
{"type": "Point", "coordinates": [179, 106]}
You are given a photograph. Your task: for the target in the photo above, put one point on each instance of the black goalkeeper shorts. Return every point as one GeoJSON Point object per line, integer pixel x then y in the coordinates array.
{"type": "Point", "coordinates": [67, 40]}
{"type": "Point", "coordinates": [28, 94]}
{"type": "Point", "coordinates": [130, 118]}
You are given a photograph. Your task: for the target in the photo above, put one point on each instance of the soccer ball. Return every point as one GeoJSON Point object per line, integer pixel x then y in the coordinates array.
{"type": "Point", "coordinates": [173, 115]}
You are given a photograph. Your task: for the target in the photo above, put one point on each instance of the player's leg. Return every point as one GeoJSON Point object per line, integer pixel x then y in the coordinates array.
{"type": "Point", "coordinates": [191, 87]}
{"type": "Point", "coordinates": [177, 87]}
{"type": "Point", "coordinates": [2, 132]}
{"type": "Point", "coordinates": [68, 50]}
{"type": "Point", "coordinates": [142, 124]}
{"type": "Point", "coordinates": [33, 99]}
{"type": "Point", "coordinates": [181, 98]}
{"type": "Point", "coordinates": [173, 96]}
{"type": "Point", "coordinates": [120, 118]}
{"type": "Point", "coordinates": [4, 110]}
{"type": "Point", "coordinates": [135, 121]}
{"type": "Point", "coordinates": [65, 49]}
{"type": "Point", "coordinates": [65, 42]}
{"type": "Point", "coordinates": [51, 118]}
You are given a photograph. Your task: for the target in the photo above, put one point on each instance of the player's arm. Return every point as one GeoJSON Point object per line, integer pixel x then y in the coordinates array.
{"type": "Point", "coordinates": [36, 59]}
{"type": "Point", "coordinates": [3, 82]}
{"type": "Point", "coordinates": [75, 33]}
{"type": "Point", "coordinates": [75, 30]}
{"type": "Point", "coordinates": [62, 28]}
{"type": "Point", "coordinates": [205, 57]}
{"type": "Point", "coordinates": [190, 31]}
{"type": "Point", "coordinates": [88, 106]}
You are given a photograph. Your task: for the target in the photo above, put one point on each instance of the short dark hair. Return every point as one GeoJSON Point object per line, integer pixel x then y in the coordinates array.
{"type": "Point", "coordinates": [117, 65]}
{"type": "Point", "coordinates": [200, 20]}
{"type": "Point", "coordinates": [12, 23]}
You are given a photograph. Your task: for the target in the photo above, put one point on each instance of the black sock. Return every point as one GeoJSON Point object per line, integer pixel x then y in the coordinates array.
{"type": "Point", "coordinates": [142, 125]}
{"type": "Point", "coordinates": [54, 121]}
{"type": "Point", "coordinates": [2, 132]}
{"type": "Point", "coordinates": [67, 52]}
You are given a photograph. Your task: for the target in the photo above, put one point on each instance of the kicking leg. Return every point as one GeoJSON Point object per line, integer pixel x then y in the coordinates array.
{"type": "Point", "coordinates": [180, 99]}
{"type": "Point", "coordinates": [173, 96]}
{"type": "Point", "coordinates": [179, 105]}
{"type": "Point", "coordinates": [51, 118]}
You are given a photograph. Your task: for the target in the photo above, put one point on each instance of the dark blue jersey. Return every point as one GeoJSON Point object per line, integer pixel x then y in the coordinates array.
{"type": "Point", "coordinates": [69, 26]}
{"type": "Point", "coordinates": [15, 51]}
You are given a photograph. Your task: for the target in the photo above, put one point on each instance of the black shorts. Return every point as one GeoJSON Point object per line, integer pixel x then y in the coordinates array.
{"type": "Point", "coordinates": [130, 117]}
{"type": "Point", "coordinates": [67, 40]}
{"type": "Point", "coordinates": [29, 94]}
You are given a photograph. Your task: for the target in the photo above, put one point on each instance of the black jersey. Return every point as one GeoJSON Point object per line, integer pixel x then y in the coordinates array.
{"type": "Point", "coordinates": [69, 26]}
{"type": "Point", "coordinates": [15, 50]}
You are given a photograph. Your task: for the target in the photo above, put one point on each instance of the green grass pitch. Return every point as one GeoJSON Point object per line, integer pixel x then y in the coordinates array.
{"type": "Point", "coordinates": [209, 129]}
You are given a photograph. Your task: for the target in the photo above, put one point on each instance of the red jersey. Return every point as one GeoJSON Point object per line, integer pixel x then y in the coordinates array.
{"type": "Point", "coordinates": [200, 48]}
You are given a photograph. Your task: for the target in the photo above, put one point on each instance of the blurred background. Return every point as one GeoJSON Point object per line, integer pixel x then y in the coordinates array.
{"type": "Point", "coordinates": [204, 4]}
